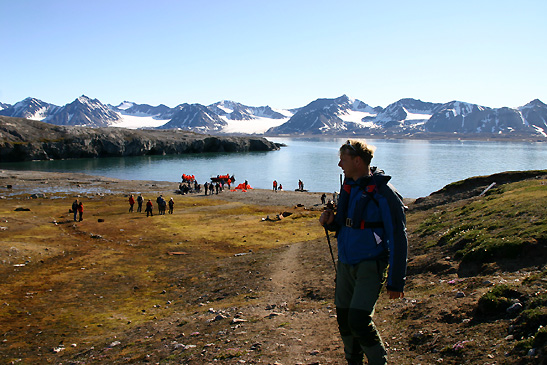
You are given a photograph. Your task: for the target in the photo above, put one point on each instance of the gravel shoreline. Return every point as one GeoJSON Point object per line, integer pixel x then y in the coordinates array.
{"type": "Point", "coordinates": [18, 182]}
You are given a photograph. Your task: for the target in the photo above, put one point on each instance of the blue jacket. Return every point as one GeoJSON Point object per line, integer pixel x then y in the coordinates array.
{"type": "Point", "coordinates": [372, 225]}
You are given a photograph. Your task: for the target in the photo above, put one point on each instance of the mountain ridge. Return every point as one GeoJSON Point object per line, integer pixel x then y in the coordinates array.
{"type": "Point", "coordinates": [339, 116]}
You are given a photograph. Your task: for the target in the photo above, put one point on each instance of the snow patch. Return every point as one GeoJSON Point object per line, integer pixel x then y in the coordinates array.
{"type": "Point", "coordinates": [255, 126]}
{"type": "Point", "coordinates": [540, 130]}
{"type": "Point", "coordinates": [225, 109]}
{"type": "Point", "coordinates": [284, 112]}
{"type": "Point", "coordinates": [368, 124]}
{"type": "Point", "coordinates": [354, 116]}
{"type": "Point", "coordinates": [137, 121]}
{"type": "Point", "coordinates": [416, 116]}
{"type": "Point", "coordinates": [40, 114]}
{"type": "Point", "coordinates": [125, 105]}
{"type": "Point", "coordinates": [524, 121]}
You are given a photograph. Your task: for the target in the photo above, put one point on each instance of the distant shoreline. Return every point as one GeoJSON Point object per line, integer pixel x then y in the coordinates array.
{"type": "Point", "coordinates": [425, 137]}
{"type": "Point", "coordinates": [23, 182]}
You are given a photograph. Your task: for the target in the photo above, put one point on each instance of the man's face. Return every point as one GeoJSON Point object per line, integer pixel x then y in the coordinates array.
{"type": "Point", "coordinates": [348, 164]}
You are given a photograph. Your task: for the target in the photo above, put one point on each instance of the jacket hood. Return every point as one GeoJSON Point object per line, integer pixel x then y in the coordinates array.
{"type": "Point", "coordinates": [377, 174]}
{"type": "Point", "coordinates": [380, 175]}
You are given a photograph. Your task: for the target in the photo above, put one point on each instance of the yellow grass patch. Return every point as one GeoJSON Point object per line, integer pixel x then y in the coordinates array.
{"type": "Point", "coordinates": [76, 281]}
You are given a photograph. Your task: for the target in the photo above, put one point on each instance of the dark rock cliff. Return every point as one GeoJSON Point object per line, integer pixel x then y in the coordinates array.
{"type": "Point", "coordinates": [24, 140]}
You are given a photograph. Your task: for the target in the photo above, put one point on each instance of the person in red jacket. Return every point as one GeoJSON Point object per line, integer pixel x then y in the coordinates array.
{"type": "Point", "coordinates": [81, 211]}
{"type": "Point", "coordinates": [131, 203]}
{"type": "Point", "coordinates": [148, 209]}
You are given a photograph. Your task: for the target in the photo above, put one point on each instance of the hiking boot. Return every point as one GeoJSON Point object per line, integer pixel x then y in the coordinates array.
{"type": "Point", "coordinates": [376, 354]}
{"type": "Point", "coordinates": [355, 362]}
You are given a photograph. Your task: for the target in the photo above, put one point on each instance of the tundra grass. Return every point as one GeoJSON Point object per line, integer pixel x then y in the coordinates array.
{"type": "Point", "coordinates": [508, 221]}
{"type": "Point", "coordinates": [66, 282]}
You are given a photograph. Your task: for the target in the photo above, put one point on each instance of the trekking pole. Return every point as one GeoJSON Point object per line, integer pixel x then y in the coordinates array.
{"type": "Point", "coordinates": [330, 206]}
{"type": "Point", "coordinates": [330, 248]}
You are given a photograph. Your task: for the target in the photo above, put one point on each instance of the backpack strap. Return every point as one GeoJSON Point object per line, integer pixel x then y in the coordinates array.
{"type": "Point", "coordinates": [368, 190]}
{"type": "Point", "coordinates": [367, 197]}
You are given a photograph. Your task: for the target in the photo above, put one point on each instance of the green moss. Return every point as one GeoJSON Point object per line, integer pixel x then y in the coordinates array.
{"type": "Point", "coordinates": [536, 316]}
{"type": "Point", "coordinates": [540, 339]}
{"type": "Point", "coordinates": [523, 346]}
{"type": "Point", "coordinates": [486, 249]}
{"type": "Point", "coordinates": [497, 300]}
{"type": "Point", "coordinates": [532, 324]}
{"type": "Point", "coordinates": [502, 225]}
{"type": "Point", "coordinates": [539, 301]}
{"type": "Point", "coordinates": [230, 354]}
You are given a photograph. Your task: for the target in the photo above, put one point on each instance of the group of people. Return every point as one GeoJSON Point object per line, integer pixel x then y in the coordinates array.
{"type": "Point", "coordinates": [277, 186]}
{"type": "Point", "coordinates": [190, 185]}
{"type": "Point", "coordinates": [140, 200]}
{"type": "Point", "coordinates": [213, 188]}
{"type": "Point", "coordinates": [187, 187]}
{"type": "Point", "coordinates": [162, 205]}
{"type": "Point", "coordinates": [78, 210]}
{"type": "Point", "coordinates": [334, 200]}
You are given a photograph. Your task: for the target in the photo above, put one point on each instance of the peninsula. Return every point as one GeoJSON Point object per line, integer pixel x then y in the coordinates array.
{"type": "Point", "coordinates": [24, 140]}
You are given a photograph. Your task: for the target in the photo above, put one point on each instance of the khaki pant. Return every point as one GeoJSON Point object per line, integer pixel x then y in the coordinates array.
{"type": "Point", "coordinates": [357, 289]}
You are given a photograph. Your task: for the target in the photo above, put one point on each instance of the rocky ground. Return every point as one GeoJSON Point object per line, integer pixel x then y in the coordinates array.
{"type": "Point", "coordinates": [272, 304]}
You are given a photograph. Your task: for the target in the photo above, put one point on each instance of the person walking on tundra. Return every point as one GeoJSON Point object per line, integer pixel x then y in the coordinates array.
{"type": "Point", "coordinates": [131, 203]}
{"type": "Point", "coordinates": [140, 200]}
{"type": "Point", "coordinates": [148, 208]}
{"type": "Point", "coordinates": [75, 209]}
{"type": "Point", "coordinates": [370, 227]}
{"type": "Point", "coordinates": [81, 211]}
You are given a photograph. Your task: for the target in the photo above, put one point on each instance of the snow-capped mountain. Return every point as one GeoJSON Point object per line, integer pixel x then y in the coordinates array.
{"type": "Point", "coordinates": [136, 116]}
{"type": "Point", "coordinates": [248, 119]}
{"type": "Point", "coordinates": [337, 116]}
{"type": "Point", "coordinates": [324, 116]}
{"type": "Point", "coordinates": [460, 117]}
{"type": "Point", "coordinates": [129, 108]}
{"type": "Point", "coordinates": [236, 111]}
{"type": "Point", "coordinates": [30, 108]}
{"type": "Point", "coordinates": [195, 117]}
{"type": "Point", "coordinates": [534, 114]}
{"type": "Point", "coordinates": [411, 116]}
{"type": "Point", "coordinates": [231, 110]}
{"type": "Point", "coordinates": [405, 112]}
{"type": "Point", "coordinates": [86, 112]}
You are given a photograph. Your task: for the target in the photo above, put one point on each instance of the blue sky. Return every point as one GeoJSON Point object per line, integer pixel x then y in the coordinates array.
{"type": "Point", "coordinates": [279, 53]}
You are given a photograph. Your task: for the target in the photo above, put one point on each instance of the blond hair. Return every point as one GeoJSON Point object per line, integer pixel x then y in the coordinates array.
{"type": "Point", "coordinates": [355, 147]}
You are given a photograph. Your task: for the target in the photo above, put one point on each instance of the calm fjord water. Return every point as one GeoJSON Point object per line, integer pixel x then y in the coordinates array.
{"type": "Point", "coordinates": [417, 167]}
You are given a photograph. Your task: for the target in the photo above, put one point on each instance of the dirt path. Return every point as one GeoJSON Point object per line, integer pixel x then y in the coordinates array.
{"type": "Point", "coordinates": [285, 293]}
{"type": "Point", "coordinates": [297, 323]}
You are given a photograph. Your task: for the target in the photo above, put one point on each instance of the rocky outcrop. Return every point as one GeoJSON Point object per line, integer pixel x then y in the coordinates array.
{"type": "Point", "coordinates": [24, 140]}
{"type": "Point", "coordinates": [473, 187]}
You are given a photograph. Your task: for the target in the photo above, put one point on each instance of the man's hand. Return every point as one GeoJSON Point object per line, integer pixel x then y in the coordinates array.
{"type": "Point", "coordinates": [395, 294]}
{"type": "Point", "coordinates": [327, 217]}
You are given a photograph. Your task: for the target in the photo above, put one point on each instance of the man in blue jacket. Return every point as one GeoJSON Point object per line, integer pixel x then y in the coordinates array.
{"type": "Point", "coordinates": [370, 226]}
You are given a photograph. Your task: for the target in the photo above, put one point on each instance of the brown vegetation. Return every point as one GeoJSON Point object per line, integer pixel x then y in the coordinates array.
{"type": "Point", "coordinates": [217, 282]}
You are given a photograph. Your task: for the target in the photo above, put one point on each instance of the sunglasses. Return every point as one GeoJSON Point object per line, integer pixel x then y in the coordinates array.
{"type": "Point", "coordinates": [348, 143]}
